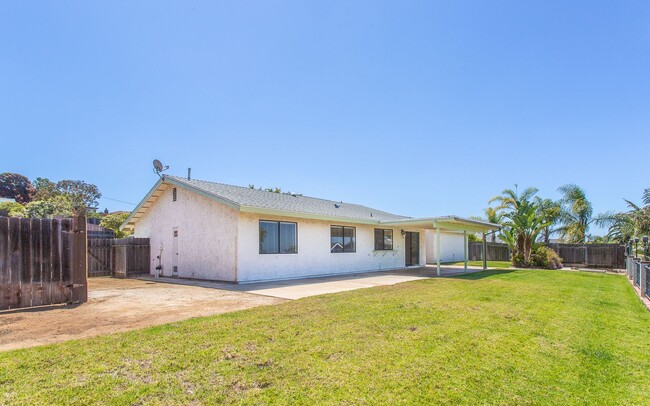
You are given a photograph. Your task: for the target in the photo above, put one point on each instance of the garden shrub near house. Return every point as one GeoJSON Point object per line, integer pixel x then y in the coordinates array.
{"type": "Point", "coordinates": [540, 257]}
{"type": "Point", "coordinates": [544, 257]}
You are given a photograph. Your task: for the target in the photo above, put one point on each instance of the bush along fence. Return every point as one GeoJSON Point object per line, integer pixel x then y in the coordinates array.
{"type": "Point", "coordinates": [121, 258]}
{"type": "Point", "coordinates": [42, 262]}
{"type": "Point", "coordinates": [638, 272]}
{"type": "Point", "coordinates": [587, 255]}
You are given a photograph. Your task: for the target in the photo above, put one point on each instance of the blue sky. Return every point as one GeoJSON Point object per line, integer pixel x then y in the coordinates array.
{"type": "Point", "coordinates": [419, 108]}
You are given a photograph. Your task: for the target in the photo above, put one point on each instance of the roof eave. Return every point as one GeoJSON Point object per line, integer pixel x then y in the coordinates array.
{"type": "Point", "coordinates": [128, 224]}
{"type": "Point", "coordinates": [452, 223]}
{"type": "Point", "coordinates": [303, 215]}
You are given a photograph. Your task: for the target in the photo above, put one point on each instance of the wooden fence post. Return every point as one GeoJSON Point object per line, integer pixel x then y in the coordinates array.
{"type": "Point", "coordinates": [79, 261]}
{"type": "Point", "coordinates": [4, 263]}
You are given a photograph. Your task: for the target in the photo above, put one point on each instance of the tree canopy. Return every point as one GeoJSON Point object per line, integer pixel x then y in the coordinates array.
{"type": "Point", "coordinates": [81, 194]}
{"type": "Point", "coordinates": [576, 214]}
{"type": "Point", "coordinates": [113, 222]}
{"type": "Point", "coordinates": [58, 206]}
{"type": "Point", "coordinates": [16, 186]}
{"type": "Point", "coordinates": [45, 198]}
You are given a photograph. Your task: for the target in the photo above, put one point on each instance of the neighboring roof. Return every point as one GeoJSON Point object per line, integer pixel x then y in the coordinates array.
{"type": "Point", "coordinates": [6, 199]}
{"type": "Point", "coordinates": [246, 199]}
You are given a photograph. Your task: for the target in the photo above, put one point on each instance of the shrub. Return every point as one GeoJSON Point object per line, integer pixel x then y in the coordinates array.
{"type": "Point", "coordinates": [12, 209]}
{"type": "Point", "coordinates": [518, 260]}
{"type": "Point", "coordinates": [59, 206]}
{"type": "Point", "coordinates": [544, 257]}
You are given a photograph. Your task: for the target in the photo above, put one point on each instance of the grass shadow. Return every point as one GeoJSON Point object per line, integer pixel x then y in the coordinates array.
{"type": "Point", "coordinates": [481, 275]}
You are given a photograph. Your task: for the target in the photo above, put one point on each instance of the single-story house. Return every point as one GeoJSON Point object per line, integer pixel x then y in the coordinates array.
{"type": "Point", "coordinates": [213, 231]}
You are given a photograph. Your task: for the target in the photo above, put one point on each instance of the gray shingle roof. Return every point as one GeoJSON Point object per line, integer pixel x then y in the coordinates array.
{"type": "Point", "coordinates": [245, 196]}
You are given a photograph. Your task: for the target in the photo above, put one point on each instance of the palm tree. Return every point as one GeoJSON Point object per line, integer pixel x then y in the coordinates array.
{"type": "Point", "coordinates": [508, 236]}
{"type": "Point", "coordinates": [495, 217]}
{"type": "Point", "coordinates": [549, 211]}
{"type": "Point", "coordinates": [639, 216]}
{"type": "Point", "coordinates": [525, 226]}
{"type": "Point", "coordinates": [577, 214]}
{"type": "Point", "coordinates": [626, 225]}
{"type": "Point", "coordinates": [621, 230]}
{"type": "Point", "coordinates": [511, 199]}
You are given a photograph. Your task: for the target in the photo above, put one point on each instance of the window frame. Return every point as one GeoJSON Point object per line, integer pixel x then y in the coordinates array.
{"type": "Point", "coordinates": [383, 239]}
{"type": "Point", "coordinates": [343, 236]}
{"type": "Point", "coordinates": [278, 222]}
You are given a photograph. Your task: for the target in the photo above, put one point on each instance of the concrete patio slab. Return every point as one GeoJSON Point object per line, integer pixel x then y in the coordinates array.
{"type": "Point", "coordinates": [304, 287]}
{"type": "Point", "coordinates": [300, 288]}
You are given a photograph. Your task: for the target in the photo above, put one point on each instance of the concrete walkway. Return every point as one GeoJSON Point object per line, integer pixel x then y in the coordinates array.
{"type": "Point", "coordinates": [299, 288]}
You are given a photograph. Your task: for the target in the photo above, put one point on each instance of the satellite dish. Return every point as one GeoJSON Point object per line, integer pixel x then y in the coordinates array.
{"type": "Point", "coordinates": [158, 167]}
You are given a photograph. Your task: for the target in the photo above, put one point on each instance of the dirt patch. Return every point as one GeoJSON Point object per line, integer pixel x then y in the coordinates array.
{"type": "Point", "coordinates": [116, 305]}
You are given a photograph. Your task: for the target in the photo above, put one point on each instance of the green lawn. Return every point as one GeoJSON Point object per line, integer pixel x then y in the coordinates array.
{"type": "Point", "coordinates": [490, 264]}
{"type": "Point", "coordinates": [496, 337]}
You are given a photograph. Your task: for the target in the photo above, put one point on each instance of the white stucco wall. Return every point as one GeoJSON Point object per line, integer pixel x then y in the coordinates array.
{"type": "Point", "coordinates": [314, 256]}
{"type": "Point", "coordinates": [451, 247]}
{"type": "Point", "coordinates": [216, 242]}
{"type": "Point", "coordinates": [207, 235]}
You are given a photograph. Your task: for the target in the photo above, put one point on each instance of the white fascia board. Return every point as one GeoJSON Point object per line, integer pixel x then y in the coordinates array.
{"type": "Point", "coordinates": [174, 182]}
{"type": "Point", "coordinates": [284, 213]}
{"type": "Point", "coordinates": [470, 221]}
{"type": "Point", "coordinates": [446, 223]}
{"type": "Point", "coordinates": [139, 206]}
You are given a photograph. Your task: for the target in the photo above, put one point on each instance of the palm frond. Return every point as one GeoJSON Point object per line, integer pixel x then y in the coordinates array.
{"type": "Point", "coordinates": [631, 205]}
{"type": "Point", "coordinates": [605, 219]}
{"type": "Point", "coordinates": [528, 193]}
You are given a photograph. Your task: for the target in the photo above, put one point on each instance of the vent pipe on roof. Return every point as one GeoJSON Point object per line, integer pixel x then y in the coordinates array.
{"type": "Point", "coordinates": [189, 172]}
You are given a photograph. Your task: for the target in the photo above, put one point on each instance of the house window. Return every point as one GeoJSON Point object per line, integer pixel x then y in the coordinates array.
{"type": "Point", "coordinates": [278, 237]}
{"type": "Point", "coordinates": [173, 194]}
{"type": "Point", "coordinates": [383, 239]}
{"type": "Point", "coordinates": [343, 239]}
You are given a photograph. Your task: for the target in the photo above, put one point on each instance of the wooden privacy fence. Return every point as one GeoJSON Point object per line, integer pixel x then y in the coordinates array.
{"type": "Point", "coordinates": [120, 257]}
{"type": "Point", "coordinates": [100, 257]}
{"type": "Point", "coordinates": [589, 255]}
{"type": "Point", "coordinates": [131, 256]}
{"type": "Point", "coordinates": [495, 251]}
{"type": "Point", "coordinates": [596, 255]}
{"type": "Point", "coordinates": [42, 262]}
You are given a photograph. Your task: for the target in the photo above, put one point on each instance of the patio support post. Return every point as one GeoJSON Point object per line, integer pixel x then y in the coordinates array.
{"type": "Point", "coordinates": [438, 251]}
{"type": "Point", "coordinates": [484, 252]}
{"type": "Point", "coordinates": [465, 248]}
